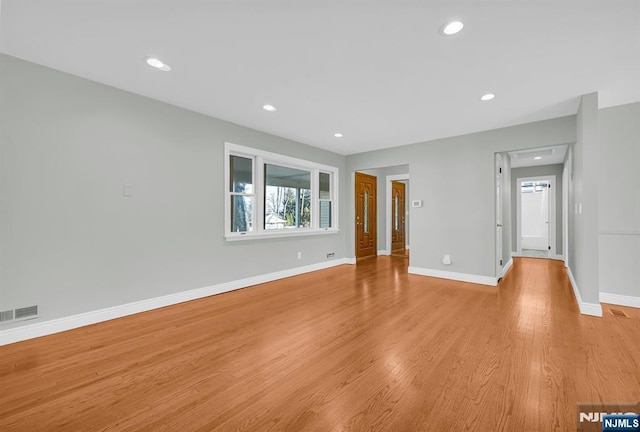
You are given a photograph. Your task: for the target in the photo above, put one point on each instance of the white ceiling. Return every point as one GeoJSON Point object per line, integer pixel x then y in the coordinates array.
{"type": "Point", "coordinates": [547, 155]}
{"type": "Point", "coordinates": [376, 70]}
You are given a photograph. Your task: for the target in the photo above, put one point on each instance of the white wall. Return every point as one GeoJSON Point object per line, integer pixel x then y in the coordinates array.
{"type": "Point", "coordinates": [71, 242]}
{"type": "Point", "coordinates": [453, 221]}
{"type": "Point", "coordinates": [619, 195]}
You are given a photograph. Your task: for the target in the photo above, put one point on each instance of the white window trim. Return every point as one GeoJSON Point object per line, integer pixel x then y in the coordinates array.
{"type": "Point", "coordinates": [259, 158]}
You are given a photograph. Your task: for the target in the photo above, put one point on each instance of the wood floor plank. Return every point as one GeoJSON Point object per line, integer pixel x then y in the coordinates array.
{"type": "Point", "coordinates": [352, 348]}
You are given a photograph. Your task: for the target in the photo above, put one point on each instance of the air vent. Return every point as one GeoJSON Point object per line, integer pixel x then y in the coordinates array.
{"type": "Point", "coordinates": [27, 312]}
{"type": "Point", "coordinates": [6, 316]}
{"type": "Point", "coordinates": [20, 314]}
{"type": "Point", "coordinates": [619, 313]}
{"type": "Point", "coordinates": [525, 154]}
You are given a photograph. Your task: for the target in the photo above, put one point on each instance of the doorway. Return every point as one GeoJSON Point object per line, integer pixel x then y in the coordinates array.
{"type": "Point", "coordinates": [536, 216]}
{"type": "Point", "coordinates": [498, 172]}
{"type": "Point", "coordinates": [366, 216]}
{"type": "Point", "coordinates": [398, 210]}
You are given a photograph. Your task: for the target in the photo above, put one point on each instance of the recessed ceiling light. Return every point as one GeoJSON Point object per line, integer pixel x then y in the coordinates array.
{"type": "Point", "coordinates": [157, 63]}
{"type": "Point", "coordinates": [487, 97]}
{"type": "Point", "coordinates": [269, 108]}
{"type": "Point", "coordinates": [338, 135]}
{"type": "Point", "coordinates": [452, 28]}
{"type": "Point", "coordinates": [537, 157]}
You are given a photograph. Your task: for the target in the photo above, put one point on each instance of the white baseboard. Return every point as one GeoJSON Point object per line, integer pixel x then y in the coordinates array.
{"type": "Point", "coordinates": [507, 267]}
{"type": "Point", "coordinates": [384, 252]}
{"type": "Point", "coordinates": [594, 309]}
{"type": "Point", "coordinates": [45, 328]}
{"type": "Point", "coordinates": [462, 277]}
{"type": "Point", "coordinates": [350, 260]}
{"type": "Point", "coordinates": [620, 300]}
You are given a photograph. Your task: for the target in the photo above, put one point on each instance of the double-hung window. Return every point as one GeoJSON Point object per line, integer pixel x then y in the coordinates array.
{"type": "Point", "coordinates": [272, 195]}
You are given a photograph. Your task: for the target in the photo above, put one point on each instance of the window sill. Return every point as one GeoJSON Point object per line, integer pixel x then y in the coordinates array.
{"type": "Point", "coordinates": [279, 234]}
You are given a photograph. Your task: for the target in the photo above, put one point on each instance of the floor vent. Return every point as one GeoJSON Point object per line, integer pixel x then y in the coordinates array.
{"type": "Point", "coordinates": [20, 314]}
{"type": "Point", "coordinates": [619, 313]}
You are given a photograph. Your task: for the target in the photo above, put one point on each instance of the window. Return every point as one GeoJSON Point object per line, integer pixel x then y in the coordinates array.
{"type": "Point", "coordinates": [534, 187]}
{"type": "Point", "coordinates": [271, 195]}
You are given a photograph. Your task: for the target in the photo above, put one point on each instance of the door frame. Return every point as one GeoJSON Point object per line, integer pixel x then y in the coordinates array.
{"type": "Point", "coordinates": [552, 212]}
{"type": "Point", "coordinates": [387, 239]}
{"type": "Point", "coordinates": [499, 222]}
{"type": "Point", "coordinates": [566, 176]}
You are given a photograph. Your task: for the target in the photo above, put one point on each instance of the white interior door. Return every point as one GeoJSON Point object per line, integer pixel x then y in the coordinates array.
{"type": "Point", "coordinates": [536, 229]}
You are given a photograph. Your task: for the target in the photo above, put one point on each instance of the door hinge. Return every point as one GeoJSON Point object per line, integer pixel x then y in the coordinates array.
{"type": "Point", "coordinates": [500, 171]}
{"type": "Point", "coordinates": [500, 262]}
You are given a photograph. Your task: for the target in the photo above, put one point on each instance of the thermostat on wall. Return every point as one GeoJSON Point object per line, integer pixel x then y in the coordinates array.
{"type": "Point", "coordinates": [416, 203]}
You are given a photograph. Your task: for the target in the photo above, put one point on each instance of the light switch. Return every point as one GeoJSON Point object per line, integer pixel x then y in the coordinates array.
{"type": "Point", "coordinates": [127, 190]}
{"type": "Point", "coordinates": [416, 203]}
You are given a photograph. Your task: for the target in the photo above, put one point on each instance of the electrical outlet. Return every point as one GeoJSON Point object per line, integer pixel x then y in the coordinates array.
{"type": "Point", "coordinates": [331, 254]}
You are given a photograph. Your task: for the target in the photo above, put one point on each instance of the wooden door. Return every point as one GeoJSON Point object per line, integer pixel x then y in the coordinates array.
{"type": "Point", "coordinates": [366, 216]}
{"type": "Point", "coordinates": [397, 217]}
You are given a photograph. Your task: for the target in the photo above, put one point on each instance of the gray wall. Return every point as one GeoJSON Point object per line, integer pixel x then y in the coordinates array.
{"type": "Point", "coordinates": [619, 199]}
{"type": "Point", "coordinates": [453, 221]}
{"type": "Point", "coordinates": [537, 171]}
{"type": "Point", "coordinates": [583, 192]}
{"type": "Point", "coordinates": [71, 242]}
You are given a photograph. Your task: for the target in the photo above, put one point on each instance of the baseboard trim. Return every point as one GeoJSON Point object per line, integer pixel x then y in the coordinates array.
{"type": "Point", "coordinates": [384, 252]}
{"type": "Point", "coordinates": [507, 267]}
{"type": "Point", "coordinates": [620, 300]}
{"type": "Point", "coordinates": [593, 309]}
{"type": "Point", "coordinates": [462, 277]}
{"type": "Point", "coordinates": [38, 329]}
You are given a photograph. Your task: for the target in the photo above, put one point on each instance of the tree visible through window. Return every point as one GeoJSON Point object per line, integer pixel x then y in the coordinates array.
{"type": "Point", "coordinates": [287, 198]}
{"type": "Point", "coordinates": [242, 194]}
{"type": "Point", "coordinates": [271, 195]}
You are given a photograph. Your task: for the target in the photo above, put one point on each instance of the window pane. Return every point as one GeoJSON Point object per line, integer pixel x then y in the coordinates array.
{"type": "Point", "coordinates": [325, 186]}
{"type": "Point", "coordinates": [325, 214]}
{"type": "Point", "coordinates": [287, 197]}
{"type": "Point", "coordinates": [366, 212]}
{"type": "Point", "coordinates": [241, 213]}
{"type": "Point", "coordinates": [241, 174]}
{"type": "Point", "coordinates": [397, 208]}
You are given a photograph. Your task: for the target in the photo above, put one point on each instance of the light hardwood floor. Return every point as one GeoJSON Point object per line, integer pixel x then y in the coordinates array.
{"type": "Point", "coordinates": [352, 348]}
